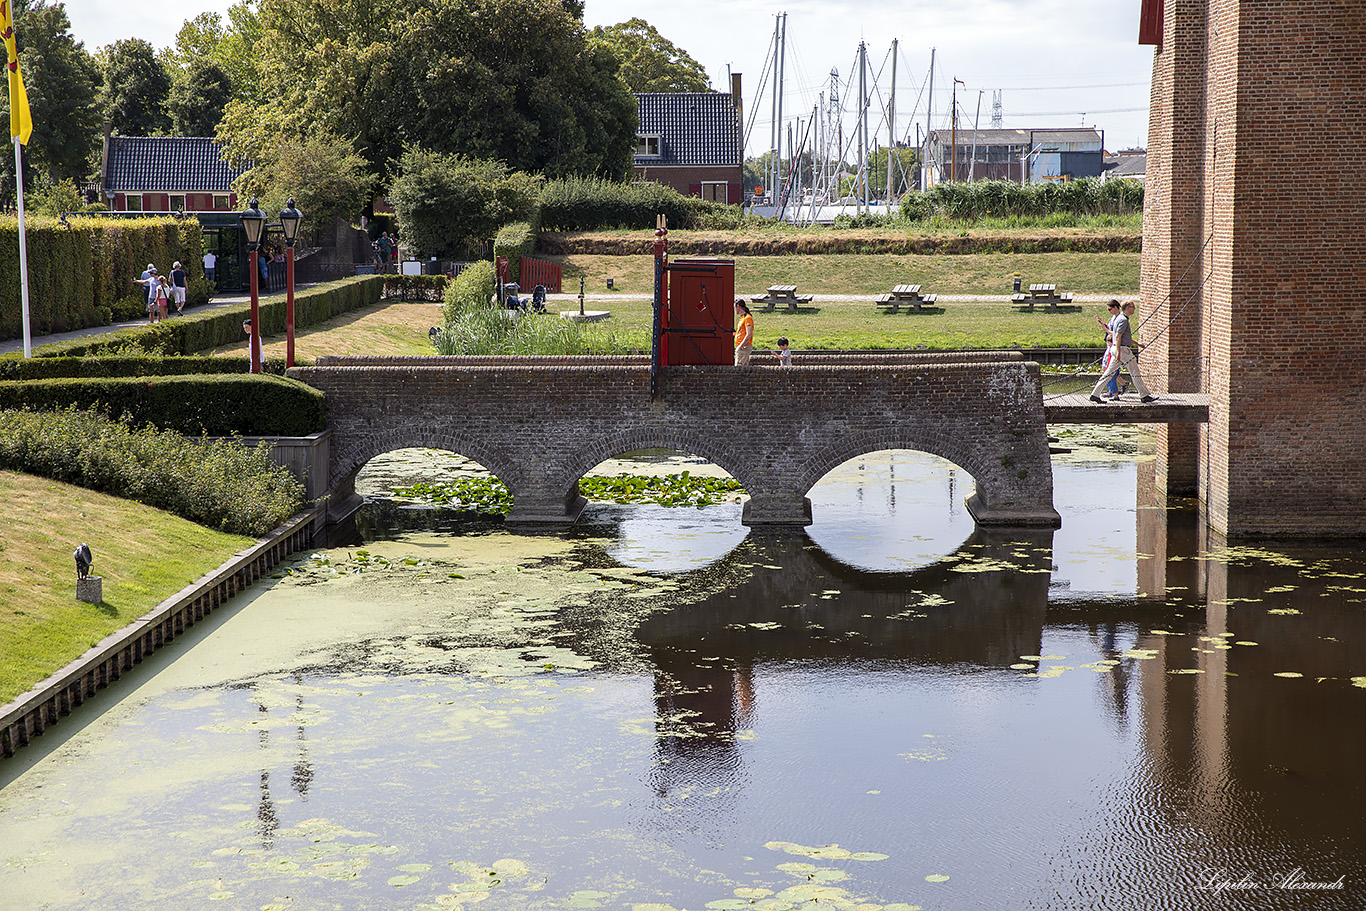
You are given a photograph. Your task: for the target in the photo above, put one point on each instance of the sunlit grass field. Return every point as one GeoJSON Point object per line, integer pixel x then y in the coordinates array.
{"type": "Point", "coordinates": [143, 555]}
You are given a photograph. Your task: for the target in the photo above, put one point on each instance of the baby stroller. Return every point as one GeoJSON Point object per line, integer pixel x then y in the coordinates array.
{"type": "Point", "coordinates": [538, 299]}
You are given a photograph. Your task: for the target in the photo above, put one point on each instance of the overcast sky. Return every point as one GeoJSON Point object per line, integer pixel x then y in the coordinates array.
{"type": "Point", "coordinates": [1055, 62]}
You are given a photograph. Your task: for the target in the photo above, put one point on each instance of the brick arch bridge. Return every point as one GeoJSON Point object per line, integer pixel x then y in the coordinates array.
{"type": "Point", "coordinates": [540, 424]}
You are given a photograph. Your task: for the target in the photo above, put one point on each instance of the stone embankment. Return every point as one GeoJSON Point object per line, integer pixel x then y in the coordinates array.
{"type": "Point", "coordinates": [39, 708]}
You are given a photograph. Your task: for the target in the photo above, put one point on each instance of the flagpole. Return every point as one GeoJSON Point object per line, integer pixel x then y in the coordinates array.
{"type": "Point", "coordinates": [23, 247]}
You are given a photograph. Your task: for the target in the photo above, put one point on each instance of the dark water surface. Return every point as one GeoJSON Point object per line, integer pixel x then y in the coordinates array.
{"type": "Point", "coordinates": [663, 710]}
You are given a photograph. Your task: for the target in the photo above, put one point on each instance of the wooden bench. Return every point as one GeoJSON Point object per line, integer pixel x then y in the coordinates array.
{"type": "Point", "coordinates": [1042, 294]}
{"type": "Point", "coordinates": [909, 295]}
{"type": "Point", "coordinates": [786, 294]}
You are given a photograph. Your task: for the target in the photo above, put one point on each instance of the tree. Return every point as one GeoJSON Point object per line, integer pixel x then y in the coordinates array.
{"type": "Point", "coordinates": [649, 61]}
{"type": "Point", "coordinates": [447, 203]}
{"type": "Point", "coordinates": [199, 94]}
{"type": "Point", "coordinates": [233, 46]}
{"type": "Point", "coordinates": [62, 81]}
{"type": "Point", "coordinates": [905, 174]}
{"type": "Point", "coordinates": [136, 86]}
{"type": "Point", "coordinates": [513, 80]}
{"type": "Point", "coordinates": [323, 174]}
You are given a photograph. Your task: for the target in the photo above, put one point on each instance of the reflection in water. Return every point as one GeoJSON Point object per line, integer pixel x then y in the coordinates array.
{"type": "Point", "coordinates": [671, 710]}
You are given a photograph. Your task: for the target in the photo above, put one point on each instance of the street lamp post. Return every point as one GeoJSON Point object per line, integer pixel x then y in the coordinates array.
{"type": "Point", "coordinates": [253, 220]}
{"type": "Point", "coordinates": [289, 223]}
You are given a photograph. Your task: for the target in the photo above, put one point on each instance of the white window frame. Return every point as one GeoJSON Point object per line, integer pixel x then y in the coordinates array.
{"type": "Point", "coordinates": [227, 202]}
{"type": "Point", "coordinates": [643, 143]}
{"type": "Point", "coordinates": [132, 202]}
{"type": "Point", "coordinates": [725, 189]}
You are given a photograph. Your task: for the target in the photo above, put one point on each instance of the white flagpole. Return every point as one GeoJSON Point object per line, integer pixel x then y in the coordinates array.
{"type": "Point", "coordinates": [23, 247]}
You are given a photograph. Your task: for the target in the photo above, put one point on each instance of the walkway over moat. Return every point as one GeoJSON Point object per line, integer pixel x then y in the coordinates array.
{"type": "Point", "coordinates": [539, 424]}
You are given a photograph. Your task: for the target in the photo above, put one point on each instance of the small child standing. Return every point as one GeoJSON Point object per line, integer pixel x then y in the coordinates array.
{"type": "Point", "coordinates": [784, 353]}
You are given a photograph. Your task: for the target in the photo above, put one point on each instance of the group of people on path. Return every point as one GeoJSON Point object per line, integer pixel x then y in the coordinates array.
{"type": "Point", "coordinates": [163, 291]}
{"type": "Point", "coordinates": [386, 251]}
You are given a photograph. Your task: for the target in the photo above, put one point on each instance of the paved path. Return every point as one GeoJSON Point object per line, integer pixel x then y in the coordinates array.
{"type": "Point", "coordinates": [219, 300]}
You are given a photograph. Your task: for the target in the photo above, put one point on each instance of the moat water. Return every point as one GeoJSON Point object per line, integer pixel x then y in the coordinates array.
{"type": "Point", "coordinates": [662, 710]}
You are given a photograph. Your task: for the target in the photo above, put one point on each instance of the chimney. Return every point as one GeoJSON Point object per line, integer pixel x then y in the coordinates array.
{"type": "Point", "coordinates": [737, 99]}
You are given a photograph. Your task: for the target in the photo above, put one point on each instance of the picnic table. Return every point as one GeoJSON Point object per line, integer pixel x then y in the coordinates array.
{"type": "Point", "coordinates": [782, 294]}
{"type": "Point", "coordinates": [1042, 294]}
{"type": "Point", "coordinates": [909, 295]}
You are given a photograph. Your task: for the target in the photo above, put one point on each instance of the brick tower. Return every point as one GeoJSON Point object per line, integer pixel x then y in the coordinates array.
{"type": "Point", "coordinates": [1254, 250]}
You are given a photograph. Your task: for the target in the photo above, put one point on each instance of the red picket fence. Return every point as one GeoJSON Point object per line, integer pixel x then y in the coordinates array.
{"type": "Point", "coordinates": [539, 272]}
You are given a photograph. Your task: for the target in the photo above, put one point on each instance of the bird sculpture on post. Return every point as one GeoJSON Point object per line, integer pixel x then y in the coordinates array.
{"type": "Point", "coordinates": [83, 560]}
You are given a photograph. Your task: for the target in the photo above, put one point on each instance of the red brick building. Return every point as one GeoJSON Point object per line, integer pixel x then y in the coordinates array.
{"type": "Point", "coordinates": [1254, 258]}
{"type": "Point", "coordinates": [691, 141]}
{"type": "Point", "coordinates": [166, 174]}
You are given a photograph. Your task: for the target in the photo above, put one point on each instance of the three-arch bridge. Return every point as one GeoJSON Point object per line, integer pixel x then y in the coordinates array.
{"type": "Point", "coordinates": [540, 423]}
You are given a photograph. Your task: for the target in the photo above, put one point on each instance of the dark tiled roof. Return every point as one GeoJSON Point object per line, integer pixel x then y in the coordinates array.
{"type": "Point", "coordinates": [694, 128]}
{"type": "Point", "coordinates": [168, 164]}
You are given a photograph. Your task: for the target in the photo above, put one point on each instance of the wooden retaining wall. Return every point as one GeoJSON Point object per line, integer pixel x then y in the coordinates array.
{"type": "Point", "coordinates": [33, 712]}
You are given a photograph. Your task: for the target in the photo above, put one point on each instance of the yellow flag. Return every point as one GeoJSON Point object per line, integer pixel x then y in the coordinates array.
{"type": "Point", "coordinates": [20, 121]}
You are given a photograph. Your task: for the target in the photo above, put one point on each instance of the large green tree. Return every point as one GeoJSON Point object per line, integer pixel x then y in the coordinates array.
{"type": "Point", "coordinates": [136, 87]}
{"type": "Point", "coordinates": [649, 61]}
{"type": "Point", "coordinates": [513, 80]}
{"type": "Point", "coordinates": [321, 172]}
{"type": "Point", "coordinates": [199, 94]}
{"type": "Point", "coordinates": [233, 45]}
{"type": "Point", "coordinates": [62, 81]}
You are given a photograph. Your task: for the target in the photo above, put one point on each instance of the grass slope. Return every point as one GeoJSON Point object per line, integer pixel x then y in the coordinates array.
{"type": "Point", "coordinates": [144, 556]}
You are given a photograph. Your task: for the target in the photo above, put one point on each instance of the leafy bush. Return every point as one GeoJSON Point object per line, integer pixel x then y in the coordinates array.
{"type": "Point", "coordinates": [471, 290]}
{"type": "Point", "coordinates": [198, 292]}
{"type": "Point", "coordinates": [221, 405]}
{"type": "Point", "coordinates": [219, 484]}
{"type": "Point", "coordinates": [141, 364]}
{"type": "Point", "coordinates": [129, 308]}
{"type": "Point", "coordinates": [515, 241]}
{"type": "Point", "coordinates": [447, 203]}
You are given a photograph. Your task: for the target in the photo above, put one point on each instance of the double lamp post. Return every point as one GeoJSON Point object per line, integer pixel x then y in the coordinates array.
{"type": "Point", "coordinates": [253, 221]}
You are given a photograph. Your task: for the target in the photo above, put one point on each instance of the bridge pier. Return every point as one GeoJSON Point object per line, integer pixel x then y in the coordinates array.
{"type": "Point", "coordinates": [541, 511]}
{"type": "Point", "coordinates": [1039, 515]}
{"type": "Point", "coordinates": [776, 510]}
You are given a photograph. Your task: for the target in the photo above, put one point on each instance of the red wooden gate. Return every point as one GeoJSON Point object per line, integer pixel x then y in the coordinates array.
{"type": "Point", "coordinates": [539, 272]}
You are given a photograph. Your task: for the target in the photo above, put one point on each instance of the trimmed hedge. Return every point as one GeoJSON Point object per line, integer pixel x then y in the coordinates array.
{"type": "Point", "coordinates": [221, 326]}
{"type": "Point", "coordinates": [427, 288]}
{"type": "Point", "coordinates": [216, 483]}
{"type": "Point", "coordinates": [77, 273]}
{"type": "Point", "coordinates": [587, 203]}
{"type": "Point", "coordinates": [220, 405]}
{"type": "Point", "coordinates": [48, 368]}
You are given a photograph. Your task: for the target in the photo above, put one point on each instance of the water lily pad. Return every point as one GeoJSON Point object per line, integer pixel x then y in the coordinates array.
{"type": "Point", "coordinates": [220, 896]}
{"type": "Point", "coordinates": [728, 904]}
{"type": "Point", "coordinates": [406, 879]}
{"type": "Point", "coordinates": [937, 878]}
{"type": "Point", "coordinates": [1186, 670]}
{"type": "Point", "coordinates": [1288, 674]}
{"type": "Point", "coordinates": [795, 867]}
{"type": "Point", "coordinates": [867, 855]}
{"type": "Point", "coordinates": [415, 868]}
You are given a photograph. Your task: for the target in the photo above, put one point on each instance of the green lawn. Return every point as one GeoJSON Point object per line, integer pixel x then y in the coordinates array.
{"type": "Point", "coordinates": [850, 324]}
{"type": "Point", "coordinates": [873, 274]}
{"type": "Point", "coordinates": [144, 556]}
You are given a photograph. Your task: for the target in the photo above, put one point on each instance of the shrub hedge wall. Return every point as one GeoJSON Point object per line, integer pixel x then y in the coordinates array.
{"type": "Point", "coordinates": [76, 273]}
{"type": "Point", "coordinates": [215, 405]}
{"type": "Point", "coordinates": [587, 203]}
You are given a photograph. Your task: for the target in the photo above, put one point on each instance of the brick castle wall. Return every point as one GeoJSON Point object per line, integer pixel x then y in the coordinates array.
{"type": "Point", "coordinates": [1256, 137]}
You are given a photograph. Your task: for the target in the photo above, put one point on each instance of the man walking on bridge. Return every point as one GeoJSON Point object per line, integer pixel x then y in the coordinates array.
{"type": "Point", "coordinates": [1122, 355]}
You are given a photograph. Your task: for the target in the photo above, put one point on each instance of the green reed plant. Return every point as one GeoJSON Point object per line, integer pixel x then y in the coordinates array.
{"type": "Point", "coordinates": [216, 483]}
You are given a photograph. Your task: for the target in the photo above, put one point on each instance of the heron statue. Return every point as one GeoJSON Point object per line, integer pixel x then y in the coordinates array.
{"type": "Point", "coordinates": [83, 560]}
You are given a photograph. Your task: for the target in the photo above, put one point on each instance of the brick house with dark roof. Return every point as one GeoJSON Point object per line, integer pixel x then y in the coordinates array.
{"type": "Point", "coordinates": [691, 141]}
{"type": "Point", "coordinates": [166, 174]}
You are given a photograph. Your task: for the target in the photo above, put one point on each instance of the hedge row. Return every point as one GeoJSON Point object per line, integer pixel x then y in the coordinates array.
{"type": "Point", "coordinates": [515, 241]}
{"type": "Point", "coordinates": [216, 483]}
{"type": "Point", "coordinates": [1004, 198]}
{"type": "Point", "coordinates": [427, 288]}
{"type": "Point", "coordinates": [216, 405]}
{"type": "Point", "coordinates": [49, 368]}
{"type": "Point", "coordinates": [586, 203]}
{"type": "Point", "coordinates": [221, 326]}
{"type": "Point", "coordinates": [77, 273]}
{"type": "Point", "coordinates": [833, 242]}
